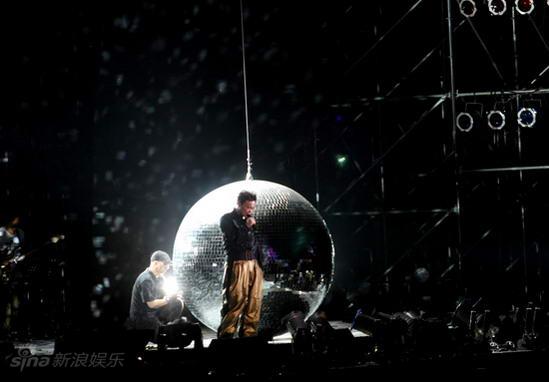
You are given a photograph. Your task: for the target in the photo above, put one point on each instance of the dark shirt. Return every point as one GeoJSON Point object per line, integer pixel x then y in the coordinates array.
{"type": "Point", "coordinates": [240, 242]}
{"type": "Point", "coordinates": [147, 287]}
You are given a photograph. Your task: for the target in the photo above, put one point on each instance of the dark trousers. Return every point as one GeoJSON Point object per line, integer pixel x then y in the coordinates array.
{"type": "Point", "coordinates": [170, 312]}
{"type": "Point", "coordinates": [152, 322]}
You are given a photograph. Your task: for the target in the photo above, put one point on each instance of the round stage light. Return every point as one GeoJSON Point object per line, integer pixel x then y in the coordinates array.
{"type": "Point", "coordinates": [496, 119]}
{"type": "Point", "coordinates": [465, 122]}
{"type": "Point", "coordinates": [497, 7]}
{"type": "Point", "coordinates": [526, 117]}
{"type": "Point", "coordinates": [298, 253]}
{"type": "Point", "coordinates": [524, 7]}
{"type": "Point", "coordinates": [468, 8]}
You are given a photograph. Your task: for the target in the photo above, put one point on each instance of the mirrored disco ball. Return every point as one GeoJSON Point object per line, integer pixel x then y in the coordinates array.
{"type": "Point", "coordinates": [296, 246]}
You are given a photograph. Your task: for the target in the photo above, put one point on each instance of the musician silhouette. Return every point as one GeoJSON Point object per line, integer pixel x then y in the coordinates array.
{"type": "Point", "coordinates": [11, 238]}
{"type": "Point", "coordinates": [11, 243]}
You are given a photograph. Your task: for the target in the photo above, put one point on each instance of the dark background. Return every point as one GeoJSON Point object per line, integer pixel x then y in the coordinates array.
{"type": "Point", "coordinates": [117, 117]}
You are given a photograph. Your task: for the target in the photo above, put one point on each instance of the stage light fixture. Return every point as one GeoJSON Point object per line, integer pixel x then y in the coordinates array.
{"type": "Point", "coordinates": [470, 117]}
{"type": "Point", "coordinates": [295, 322]}
{"type": "Point", "coordinates": [524, 7]}
{"type": "Point", "coordinates": [497, 7]}
{"type": "Point", "coordinates": [465, 122]}
{"type": "Point", "coordinates": [365, 323]}
{"type": "Point", "coordinates": [526, 117]}
{"type": "Point", "coordinates": [468, 8]}
{"type": "Point", "coordinates": [301, 334]}
{"type": "Point", "coordinates": [496, 119]}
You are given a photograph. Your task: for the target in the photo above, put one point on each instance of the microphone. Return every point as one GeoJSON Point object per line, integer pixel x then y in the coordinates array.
{"type": "Point", "coordinates": [250, 222]}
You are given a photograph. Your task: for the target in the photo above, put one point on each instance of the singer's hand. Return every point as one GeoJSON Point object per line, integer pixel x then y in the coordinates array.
{"type": "Point", "coordinates": [250, 222]}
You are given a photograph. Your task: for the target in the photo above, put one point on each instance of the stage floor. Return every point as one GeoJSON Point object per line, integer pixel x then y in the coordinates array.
{"type": "Point", "coordinates": [355, 358]}
{"type": "Point", "coordinates": [46, 347]}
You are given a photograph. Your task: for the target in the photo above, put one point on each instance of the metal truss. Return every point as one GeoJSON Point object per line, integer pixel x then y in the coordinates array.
{"type": "Point", "coordinates": [436, 100]}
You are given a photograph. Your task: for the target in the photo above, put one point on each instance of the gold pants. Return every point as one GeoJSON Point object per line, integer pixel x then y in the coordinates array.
{"type": "Point", "coordinates": [243, 294]}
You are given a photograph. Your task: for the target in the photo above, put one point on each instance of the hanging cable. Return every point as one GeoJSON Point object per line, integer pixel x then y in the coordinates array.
{"type": "Point", "coordinates": [248, 151]}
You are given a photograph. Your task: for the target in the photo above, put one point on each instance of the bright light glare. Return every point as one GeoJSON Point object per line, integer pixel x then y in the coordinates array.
{"type": "Point", "coordinates": [170, 286]}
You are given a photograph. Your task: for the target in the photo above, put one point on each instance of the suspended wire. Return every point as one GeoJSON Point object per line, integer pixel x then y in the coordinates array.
{"type": "Point", "coordinates": [248, 150]}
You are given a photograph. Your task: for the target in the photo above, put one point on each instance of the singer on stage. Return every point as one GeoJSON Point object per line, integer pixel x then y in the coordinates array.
{"type": "Point", "coordinates": [243, 281]}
